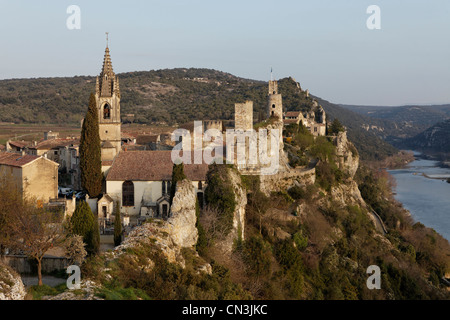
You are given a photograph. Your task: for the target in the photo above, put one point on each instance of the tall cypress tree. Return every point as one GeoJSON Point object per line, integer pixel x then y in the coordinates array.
{"type": "Point", "coordinates": [117, 226]}
{"type": "Point", "coordinates": [177, 175]}
{"type": "Point", "coordinates": [90, 152]}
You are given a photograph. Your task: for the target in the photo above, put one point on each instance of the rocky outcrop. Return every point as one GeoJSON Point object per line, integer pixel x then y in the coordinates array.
{"type": "Point", "coordinates": [11, 285]}
{"type": "Point", "coordinates": [348, 194]}
{"type": "Point", "coordinates": [170, 236]}
{"type": "Point", "coordinates": [87, 291]}
{"type": "Point", "coordinates": [182, 222]}
{"type": "Point", "coordinates": [240, 194]}
{"type": "Point", "coordinates": [348, 158]}
{"type": "Point", "coordinates": [287, 179]}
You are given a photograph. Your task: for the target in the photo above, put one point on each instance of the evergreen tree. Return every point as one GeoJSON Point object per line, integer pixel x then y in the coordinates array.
{"type": "Point", "coordinates": [336, 127]}
{"type": "Point", "coordinates": [95, 237]}
{"type": "Point", "coordinates": [84, 223]}
{"type": "Point", "coordinates": [117, 226]}
{"type": "Point", "coordinates": [90, 152]}
{"type": "Point", "coordinates": [177, 175]}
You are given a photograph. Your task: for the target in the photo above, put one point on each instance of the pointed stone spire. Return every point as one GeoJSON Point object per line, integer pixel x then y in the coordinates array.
{"type": "Point", "coordinates": [107, 76]}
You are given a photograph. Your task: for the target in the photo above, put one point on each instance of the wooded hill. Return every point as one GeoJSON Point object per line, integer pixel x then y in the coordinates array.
{"type": "Point", "coordinates": [170, 97]}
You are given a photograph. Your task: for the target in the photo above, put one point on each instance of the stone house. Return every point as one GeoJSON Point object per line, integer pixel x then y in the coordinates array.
{"type": "Point", "coordinates": [292, 117]}
{"type": "Point", "coordinates": [140, 182]}
{"type": "Point", "coordinates": [16, 146]}
{"type": "Point", "coordinates": [35, 176]}
{"type": "Point", "coordinates": [63, 151]}
{"type": "Point", "coordinates": [150, 141]}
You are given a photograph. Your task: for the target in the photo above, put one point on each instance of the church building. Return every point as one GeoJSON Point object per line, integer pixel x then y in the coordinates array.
{"type": "Point", "coordinates": [136, 181]}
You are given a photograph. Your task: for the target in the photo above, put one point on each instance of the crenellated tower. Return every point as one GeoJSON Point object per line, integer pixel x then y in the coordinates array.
{"type": "Point", "coordinates": [274, 102]}
{"type": "Point", "coordinates": [107, 94]}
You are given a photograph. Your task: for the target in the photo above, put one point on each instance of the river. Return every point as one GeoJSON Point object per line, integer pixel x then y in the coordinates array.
{"type": "Point", "coordinates": [427, 199]}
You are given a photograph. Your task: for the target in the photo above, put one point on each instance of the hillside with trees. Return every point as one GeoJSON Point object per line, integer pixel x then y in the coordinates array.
{"type": "Point", "coordinates": [170, 97]}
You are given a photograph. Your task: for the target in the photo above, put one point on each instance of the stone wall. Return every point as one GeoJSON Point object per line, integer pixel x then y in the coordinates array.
{"type": "Point", "coordinates": [22, 264]}
{"type": "Point", "coordinates": [40, 179]}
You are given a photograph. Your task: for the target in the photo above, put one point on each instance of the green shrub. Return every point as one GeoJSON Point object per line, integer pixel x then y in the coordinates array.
{"type": "Point", "coordinates": [219, 193]}
{"type": "Point", "coordinates": [257, 254]}
{"type": "Point", "coordinates": [297, 192]}
{"type": "Point", "coordinates": [300, 240]}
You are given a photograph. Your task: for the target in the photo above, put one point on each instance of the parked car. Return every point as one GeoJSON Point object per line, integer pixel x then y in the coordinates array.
{"type": "Point", "coordinates": [80, 195]}
{"type": "Point", "coordinates": [66, 192]}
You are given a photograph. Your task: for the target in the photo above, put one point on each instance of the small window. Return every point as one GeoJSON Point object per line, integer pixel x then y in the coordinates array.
{"type": "Point", "coordinates": [273, 106]}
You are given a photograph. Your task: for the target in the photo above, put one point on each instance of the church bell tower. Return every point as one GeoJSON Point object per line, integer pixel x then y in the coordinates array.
{"type": "Point", "coordinates": [107, 94]}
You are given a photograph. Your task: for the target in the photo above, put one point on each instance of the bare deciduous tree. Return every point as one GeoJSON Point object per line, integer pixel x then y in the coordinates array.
{"type": "Point", "coordinates": [214, 229]}
{"type": "Point", "coordinates": [34, 231]}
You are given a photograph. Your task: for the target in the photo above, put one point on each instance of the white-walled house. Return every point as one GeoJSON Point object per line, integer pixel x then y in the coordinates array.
{"type": "Point", "coordinates": [140, 182]}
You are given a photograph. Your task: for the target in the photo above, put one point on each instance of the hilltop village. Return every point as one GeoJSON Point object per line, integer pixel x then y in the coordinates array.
{"type": "Point", "coordinates": [137, 169]}
{"type": "Point", "coordinates": [285, 210]}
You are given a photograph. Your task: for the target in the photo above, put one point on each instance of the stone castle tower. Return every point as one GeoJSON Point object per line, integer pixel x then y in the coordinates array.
{"type": "Point", "coordinates": [274, 101]}
{"type": "Point", "coordinates": [243, 115]}
{"type": "Point", "coordinates": [107, 94]}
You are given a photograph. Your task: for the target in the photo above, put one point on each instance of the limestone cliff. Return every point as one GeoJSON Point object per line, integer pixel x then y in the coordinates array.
{"type": "Point", "coordinates": [347, 155]}
{"type": "Point", "coordinates": [237, 230]}
{"type": "Point", "coordinates": [11, 285]}
{"type": "Point", "coordinates": [170, 236]}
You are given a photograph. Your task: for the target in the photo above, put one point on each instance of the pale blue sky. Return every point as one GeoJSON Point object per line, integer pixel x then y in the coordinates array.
{"type": "Point", "coordinates": [323, 44]}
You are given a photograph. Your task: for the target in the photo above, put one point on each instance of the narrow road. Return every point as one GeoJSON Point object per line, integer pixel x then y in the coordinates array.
{"type": "Point", "coordinates": [379, 224]}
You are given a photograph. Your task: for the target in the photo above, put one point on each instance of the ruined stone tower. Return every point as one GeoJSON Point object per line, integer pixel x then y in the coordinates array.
{"type": "Point", "coordinates": [243, 115]}
{"type": "Point", "coordinates": [107, 94]}
{"type": "Point", "coordinates": [274, 101]}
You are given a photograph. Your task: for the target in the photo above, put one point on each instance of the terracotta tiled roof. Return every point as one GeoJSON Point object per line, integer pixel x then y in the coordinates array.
{"type": "Point", "coordinates": [292, 114]}
{"type": "Point", "coordinates": [107, 162]}
{"type": "Point", "coordinates": [19, 144]}
{"type": "Point", "coordinates": [151, 166]}
{"type": "Point", "coordinates": [107, 144]}
{"type": "Point", "coordinates": [146, 139]}
{"type": "Point", "coordinates": [16, 159]}
{"type": "Point", "coordinates": [54, 143]}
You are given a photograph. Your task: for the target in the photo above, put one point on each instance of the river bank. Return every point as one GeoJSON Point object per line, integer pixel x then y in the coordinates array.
{"type": "Point", "coordinates": [422, 189]}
